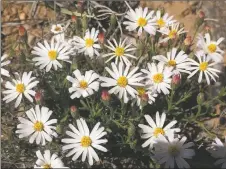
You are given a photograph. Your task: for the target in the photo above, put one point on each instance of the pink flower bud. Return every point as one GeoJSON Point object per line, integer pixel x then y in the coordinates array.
{"type": "Point", "coordinates": [176, 79]}
{"type": "Point", "coordinates": [38, 96]}
{"type": "Point", "coordinates": [105, 96]}
{"type": "Point", "coordinates": [207, 28]}
{"type": "Point", "coordinates": [21, 30]}
{"type": "Point", "coordinates": [144, 97]}
{"type": "Point", "coordinates": [73, 109]}
{"type": "Point", "coordinates": [101, 37]}
{"type": "Point", "coordinates": [73, 18]}
{"type": "Point", "coordinates": [80, 4]}
{"type": "Point", "coordinates": [188, 40]}
{"type": "Point", "coordinates": [201, 14]}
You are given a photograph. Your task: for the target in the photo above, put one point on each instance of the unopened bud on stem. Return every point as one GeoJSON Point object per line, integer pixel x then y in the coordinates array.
{"type": "Point", "coordinates": [105, 96]}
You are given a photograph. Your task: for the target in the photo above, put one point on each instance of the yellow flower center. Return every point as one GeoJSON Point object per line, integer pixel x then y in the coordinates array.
{"type": "Point", "coordinates": [52, 54]}
{"type": "Point", "coordinates": [20, 88]}
{"type": "Point", "coordinates": [212, 48]}
{"type": "Point", "coordinates": [57, 28]}
{"type": "Point", "coordinates": [172, 34]}
{"type": "Point", "coordinates": [158, 131]}
{"type": "Point", "coordinates": [47, 166]}
{"type": "Point", "coordinates": [122, 81]}
{"type": "Point", "coordinates": [203, 66]}
{"type": "Point", "coordinates": [160, 22]}
{"type": "Point", "coordinates": [158, 78]}
{"type": "Point", "coordinates": [86, 141]}
{"type": "Point", "coordinates": [83, 84]}
{"type": "Point", "coordinates": [141, 91]}
{"type": "Point", "coordinates": [38, 126]}
{"type": "Point", "coordinates": [172, 63]}
{"type": "Point", "coordinates": [119, 51]}
{"type": "Point", "coordinates": [142, 22]}
{"type": "Point", "coordinates": [173, 150]}
{"type": "Point", "coordinates": [89, 42]}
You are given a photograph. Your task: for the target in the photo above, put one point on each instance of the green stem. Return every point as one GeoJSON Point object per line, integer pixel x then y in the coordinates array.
{"type": "Point", "coordinates": [170, 100]}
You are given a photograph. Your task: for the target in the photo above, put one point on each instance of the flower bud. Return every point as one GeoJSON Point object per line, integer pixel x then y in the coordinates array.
{"type": "Point", "coordinates": [80, 6]}
{"type": "Point", "coordinates": [101, 37]}
{"type": "Point", "coordinates": [188, 41]}
{"type": "Point", "coordinates": [73, 18]}
{"type": "Point", "coordinates": [144, 98]}
{"type": "Point", "coordinates": [105, 96]}
{"type": "Point", "coordinates": [207, 28]}
{"type": "Point", "coordinates": [201, 14]}
{"type": "Point", "coordinates": [74, 111]}
{"type": "Point", "coordinates": [200, 98]}
{"type": "Point", "coordinates": [21, 30]}
{"type": "Point", "coordinates": [38, 96]}
{"type": "Point", "coordinates": [176, 79]}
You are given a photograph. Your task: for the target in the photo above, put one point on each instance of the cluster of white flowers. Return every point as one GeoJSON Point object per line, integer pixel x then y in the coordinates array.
{"type": "Point", "coordinates": [125, 81]}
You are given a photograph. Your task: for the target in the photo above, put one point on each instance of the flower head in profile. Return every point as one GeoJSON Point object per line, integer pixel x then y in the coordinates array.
{"type": "Point", "coordinates": [122, 81]}
{"type": "Point", "coordinates": [163, 21]}
{"type": "Point", "coordinates": [83, 85]}
{"type": "Point", "coordinates": [83, 142]}
{"type": "Point", "coordinates": [204, 67]}
{"type": "Point", "coordinates": [87, 45]}
{"type": "Point", "coordinates": [50, 55]}
{"type": "Point", "coordinates": [173, 150]}
{"type": "Point", "coordinates": [210, 47]}
{"type": "Point", "coordinates": [58, 31]}
{"type": "Point", "coordinates": [141, 19]}
{"type": "Point", "coordinates": [37, 126]}
{"type": "Point", "coordinates": [171, 32]}
{"type": "Point", "coordinates": [155, 129]}
{"type": "Point", "coordinates": [177, 61]}
{"type": "Point", "coordinates": [145, 95]}
{"type": "Point", "coordinates": [121, 52]}
{"type": "Point", "coordinates": [48, 161]}
{"type": "Point", "coordinates": [218, 150]}
{"type": "Point", "coordinates": [22, 86]}
{"type": "Point", "coordinates": [159, 77]}
{"type": "Point", "coordinates": [4, 62]}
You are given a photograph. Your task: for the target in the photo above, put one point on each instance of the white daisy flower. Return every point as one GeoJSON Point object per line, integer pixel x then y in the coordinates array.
{"type": "Point", "coordinates": [4, 62]}
{"type": "Point", "coordinates": [58, 31]}
{"type": "Point", "coordinates": [120, 52]}
{"type": "Point", "coordinates": [177, 61]}
{"type": "Point", "coordinates": [171, 32]}
{"type": "Point", "coordinates": [89, 44]}
{"type": "Point", "coordinates": [83, 85]}
{"type": "Point", "coordinates": [140, 19]}
{"type": "Point", "coordinates": [159, 76]}
{"type": "Point", "coordinates": [163, 21]}
{"type": "Point", "coordinates": [19, 87]}
{"type": "Point", "coordinates": [38, 126]}
{"type": "Point", "coordinates": [173, 150]}
{"type": "Point", "coordinates": [48, 161]}
{"type": "Point", "coordinates": [83, 142]}
{"type": "Point", "coordinates": [154, 130]}
{"type": "Point", "coordinates": [218, 150]}
{"type": "Point", "coordinates": [211, 48]}
{"type": "Point", "coordinates": [49, 55]}
{"type": "Point", "coordinates": [145, 95]}
{"type": "Point", "coordinates": [122, 81]}
{"type": "Point", "coordinates": [204, 66]}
